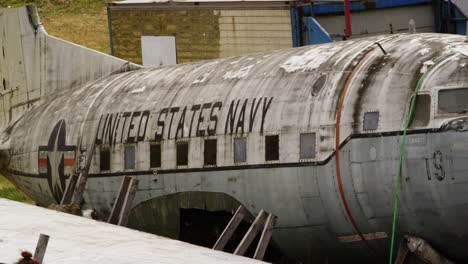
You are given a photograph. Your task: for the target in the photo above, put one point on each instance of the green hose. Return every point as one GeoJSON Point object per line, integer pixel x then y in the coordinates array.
{"type": "Point", "coordinates": [402, 146]}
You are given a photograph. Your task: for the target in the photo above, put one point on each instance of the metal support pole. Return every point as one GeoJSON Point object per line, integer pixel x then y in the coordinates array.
{"type": "Point", "coordinates": [347, 18]}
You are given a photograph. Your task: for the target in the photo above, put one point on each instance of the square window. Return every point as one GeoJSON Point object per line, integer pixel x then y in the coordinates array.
{"type": "Point", "coordinates": [271, 148]}
{"type": "Point", "coordinates": [182, 153]}
{"type": "Point", "coordinates": [155, 156]}
{"type": "Point", "coordinates": [371, 121]}
{"type": "Point", "coordinates": [240, 150]}
{"type": "Point", "coordinates": [210, 152]}
{"type": "Point", "coordinates": [130, 157]}
{"type": "Point", "coordinates": [307, 146]}
{"type": "Point", "coordinates": [104, 159]}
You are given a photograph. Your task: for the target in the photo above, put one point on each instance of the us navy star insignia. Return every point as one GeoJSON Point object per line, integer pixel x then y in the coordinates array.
{"type": "Point", "coordinates": [56, 160]}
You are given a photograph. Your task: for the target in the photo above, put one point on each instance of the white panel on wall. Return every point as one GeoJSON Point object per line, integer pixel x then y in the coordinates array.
{"type": "Point", "coordinates": [158, 50]}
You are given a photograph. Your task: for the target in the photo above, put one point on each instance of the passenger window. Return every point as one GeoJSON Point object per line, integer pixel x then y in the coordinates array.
{"type": "Point", "coordinates": [104, 159]}
{"type": "Point", "coordinates": [422, 111]}
{"type": "Point", "coordinates": [210, 152]}
{"type": "Point", "coordinates": [240, 150]}
{"type": "Point", "coordinates": [371, 121]}
{"type": "Point", "coordinates": [307, 146]}
{"type": "Point", "coordinates": [453, 101]}
{"type": "Point", "coordinates": [155, 156]}
{"type": "Point", "coordinates": [129, 157]}
{"type": "Point", "coordinates": [271, 148]}
{"type": "Point", "coordinates": [182, 153]}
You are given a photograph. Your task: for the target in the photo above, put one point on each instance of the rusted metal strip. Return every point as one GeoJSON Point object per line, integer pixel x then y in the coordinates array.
{"type": "Point", "coordinates": [370, 236]}
{"type": "Point", "coordinates": [337, 150]}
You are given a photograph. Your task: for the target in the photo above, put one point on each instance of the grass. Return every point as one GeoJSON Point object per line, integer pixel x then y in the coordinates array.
{"type": "Point", "coordinates": [9, 191]}
{"type": "Point", "coordinates": [83, 22]}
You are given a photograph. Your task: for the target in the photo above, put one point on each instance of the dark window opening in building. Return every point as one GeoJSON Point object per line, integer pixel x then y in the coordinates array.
{"type": "Point", "coordinates": [130, 157]}
{"type": "Point", "coordinates": [210, 152]}
{"type": "Point", "coordinates": [371, 121]}
{"type": "Point", "coordinates": [104, 159]}
{"type": "Point", "coordinates": [422, 111]}
{"type": "Point", "coordinates": [307, 146]}
{"type": "Point", "coordinates": [155, 156]}
{"type": "Point", "coordinates": [453, 101]}
{"type": "Point", "coordinates": [272, 148]}
{"type": "Point", "coordinates": [182, 153]}
{"type": "Point", "coordinates": [240, 150]}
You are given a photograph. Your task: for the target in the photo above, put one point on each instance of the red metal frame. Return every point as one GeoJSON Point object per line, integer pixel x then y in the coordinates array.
{"type": "Point", "coordinates": [347, 18]}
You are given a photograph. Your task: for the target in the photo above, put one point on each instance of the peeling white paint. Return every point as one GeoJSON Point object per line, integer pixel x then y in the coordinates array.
{"type": "Point", "coordinates": [242, 72]}
{"type": "Point", "coordinates": [426, 65]}
{"type": "Point", "coordinates": [310, 60]}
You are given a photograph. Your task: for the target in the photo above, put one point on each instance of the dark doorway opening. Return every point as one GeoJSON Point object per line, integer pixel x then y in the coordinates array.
{"type": "Point", "coordinates": [203, 228]}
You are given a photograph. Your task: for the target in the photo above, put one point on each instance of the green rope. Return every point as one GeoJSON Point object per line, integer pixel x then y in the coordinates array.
{"type": "Point", "coordinates": [402, 146]}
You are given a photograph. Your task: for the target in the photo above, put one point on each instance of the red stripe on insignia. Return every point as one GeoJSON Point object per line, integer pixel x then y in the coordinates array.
{"type": "Point", "coordinates": [42, 162]}
{"type": "Point", "coordinates": [69, 162]}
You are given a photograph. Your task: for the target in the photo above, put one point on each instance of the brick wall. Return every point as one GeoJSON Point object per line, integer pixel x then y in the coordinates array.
{"type": "Point", "coordinates": [201, 34]}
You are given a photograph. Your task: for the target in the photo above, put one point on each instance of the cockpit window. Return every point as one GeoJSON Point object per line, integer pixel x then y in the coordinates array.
{"type": "Point", "coordinates": [453, 101]}
{"type": "Point", "coordinates": [422, 111]}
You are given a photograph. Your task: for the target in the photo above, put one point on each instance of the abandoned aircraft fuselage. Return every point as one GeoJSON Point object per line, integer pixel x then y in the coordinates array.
{"type": "Point", "coordinates": [262, 131]}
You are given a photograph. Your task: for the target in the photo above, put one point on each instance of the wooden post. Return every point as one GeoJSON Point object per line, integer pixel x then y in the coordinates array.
{"type": "Point", "coordinates": [251, 233]}
{"type": "Point", "coordinates": [41, 247]}
{"type": "Point", "coordinates": [265, 237]}
{"type": "Point", "coordinates": [230, 228]}
{"type": "Point", "coordinates": [127, 206]}
{"type": "Point", "coordinates": [79, 190]}
{"type": "Point", "coordinates": [403, 251]}
{"type": "Point", "coordinates": [118, 203]}
{"type": "Point", "coordinates": [69, 190]}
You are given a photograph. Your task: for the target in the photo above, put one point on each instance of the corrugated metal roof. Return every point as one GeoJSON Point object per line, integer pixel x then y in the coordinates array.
{"type": "Point", "coordinates": [129, 2]}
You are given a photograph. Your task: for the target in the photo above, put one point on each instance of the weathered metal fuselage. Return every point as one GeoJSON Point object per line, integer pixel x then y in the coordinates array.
{"type": "Point", "coordinates": [297, 94]}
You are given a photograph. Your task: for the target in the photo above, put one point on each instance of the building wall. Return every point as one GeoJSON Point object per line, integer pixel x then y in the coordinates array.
{"type": "Point", "coordinates": [382, 21]}
{"type": "Point", "coordinates": [202, 34]}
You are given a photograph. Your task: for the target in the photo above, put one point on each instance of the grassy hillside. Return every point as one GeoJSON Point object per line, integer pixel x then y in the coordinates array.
{"type": "Point", "coordinates": [80, 21]}
{"type": "Point", "coordinates": [8, 191]}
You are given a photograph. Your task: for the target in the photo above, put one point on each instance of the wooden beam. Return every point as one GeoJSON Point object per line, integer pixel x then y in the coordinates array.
{"type": "Point", "coordinates": [403, 251]}
{"type": "Point", "coordinates": [69, 190]}
{"type": "Point", "coordinates": [41, 247]}
{"type": "Point", "coordinates": [83, 178]}
{"type": "Point", "coordinates": [251, 233]}
{"type": "Point", "coordinates": [119, 200]}
{"type": "Point", "coordinates": [127, 206]}
{"type": "Point", "coordinates": [265, 237]}
{"type": "Point", "coordinates": [230, 228]}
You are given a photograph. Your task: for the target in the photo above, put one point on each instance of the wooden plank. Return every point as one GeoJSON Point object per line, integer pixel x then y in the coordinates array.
{"type": "Point", "coordinates": [265, 237]}
{"type": "Point", "coordinates": [41, 247]}
{"type": "Point", "coordinates": [403, 251]}
{"type": "Point", "coordinates": [69, 190]}
{"type": "Point", "coordinates": [230, 228]}
{"type": "Point", "coordinates": [79, 190]}
{"type": "Point", "coordinates": [251, 233]}
{"type": "Point", "coordinates": [119, 200]}
{"type": "Point", "coordinates": [127, 206]}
